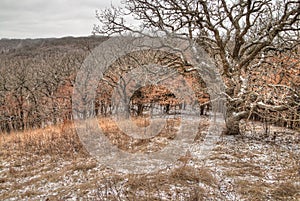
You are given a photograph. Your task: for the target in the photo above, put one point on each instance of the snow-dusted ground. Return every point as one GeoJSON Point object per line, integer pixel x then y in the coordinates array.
{"type": "Point", "coordinates": [253, 166]}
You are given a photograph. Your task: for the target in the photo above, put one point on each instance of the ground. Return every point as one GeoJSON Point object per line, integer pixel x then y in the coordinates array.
{"type": "Point", "coordinates": [51, 164]}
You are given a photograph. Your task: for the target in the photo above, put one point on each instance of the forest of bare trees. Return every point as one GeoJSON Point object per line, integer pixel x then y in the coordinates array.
{"type": "Point", "coordinates": [37, 85]}
{"type": "Point", "coordinates": [254, 44]}
{"type": "Point", "coordinates": [38, 76]}
{"type": "Point", "coordinates": [36, 80]}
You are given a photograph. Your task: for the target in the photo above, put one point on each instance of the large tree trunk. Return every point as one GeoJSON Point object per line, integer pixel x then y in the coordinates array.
{"type": "Point", "coordinates": [233, 120]}
{"type": "Point", "coordinates": [140, 109]}
{"type": "Point", "coordinates": [232, 125]}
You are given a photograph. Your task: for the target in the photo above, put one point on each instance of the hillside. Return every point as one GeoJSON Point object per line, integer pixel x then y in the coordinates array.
{"type": "Point", "coordinates": [43, 155]}
{"type": "Point", "coordinates": [36, 77]}
{"type": "Point", "coordinates": [13, 45]}
{"type": "Point", "coordinates": [51, 164]}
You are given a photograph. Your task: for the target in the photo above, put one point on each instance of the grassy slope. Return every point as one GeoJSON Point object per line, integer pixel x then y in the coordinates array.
{"type": "Point", "coordinates": [51, 163]}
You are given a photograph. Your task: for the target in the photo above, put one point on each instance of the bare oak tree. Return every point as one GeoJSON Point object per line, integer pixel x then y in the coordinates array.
{"type": "Point", "coordinates": [237, 34]}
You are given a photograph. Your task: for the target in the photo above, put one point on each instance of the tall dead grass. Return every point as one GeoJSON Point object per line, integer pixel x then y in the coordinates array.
{"type": "Point", "coordinates": [132, 145]}
{"type": "Point", "coordinates": [58, 140]}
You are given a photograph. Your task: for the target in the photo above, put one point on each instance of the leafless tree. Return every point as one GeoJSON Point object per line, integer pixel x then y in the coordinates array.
{"type": "Point", "coordinates": [237, 34]}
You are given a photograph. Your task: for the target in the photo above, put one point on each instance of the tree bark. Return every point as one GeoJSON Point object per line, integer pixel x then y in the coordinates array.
{"type": "Point", "coordinates": [233, 121]}
{"type": "Point", "coordinates": [140, 109]}
{"type": "Point", "coordinates": [232, 126]}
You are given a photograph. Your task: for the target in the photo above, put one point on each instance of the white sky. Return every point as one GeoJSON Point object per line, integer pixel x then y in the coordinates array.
{"type": "Point", "coordinates": [49, 18]}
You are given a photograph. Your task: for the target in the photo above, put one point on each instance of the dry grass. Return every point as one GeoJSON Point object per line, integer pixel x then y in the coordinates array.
{"type": "Point", "coordinates": [132, 145]}
{"type": "Point", "coordinates": [286, 191]}
{"type": "Point", "coordinates": [259, 169]}
{"type": "Point", "coordinates": [250, 190]}
{"type": "Point", "coordinates": [178, 184]}
{"type": "Point", "coordinates": [53, 140]}
{"type": "Point", "coordinates": [141, 121]}
{"type": "Point", "coordinates": [51, 164]}
{"type": "Point", "coordinates": [190, 174]}
{"type": "Point", "coordinates": [260, 190]}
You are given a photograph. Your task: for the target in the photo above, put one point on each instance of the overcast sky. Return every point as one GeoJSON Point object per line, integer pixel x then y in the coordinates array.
{"type": "Point", "coordinates": [49, 18]}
